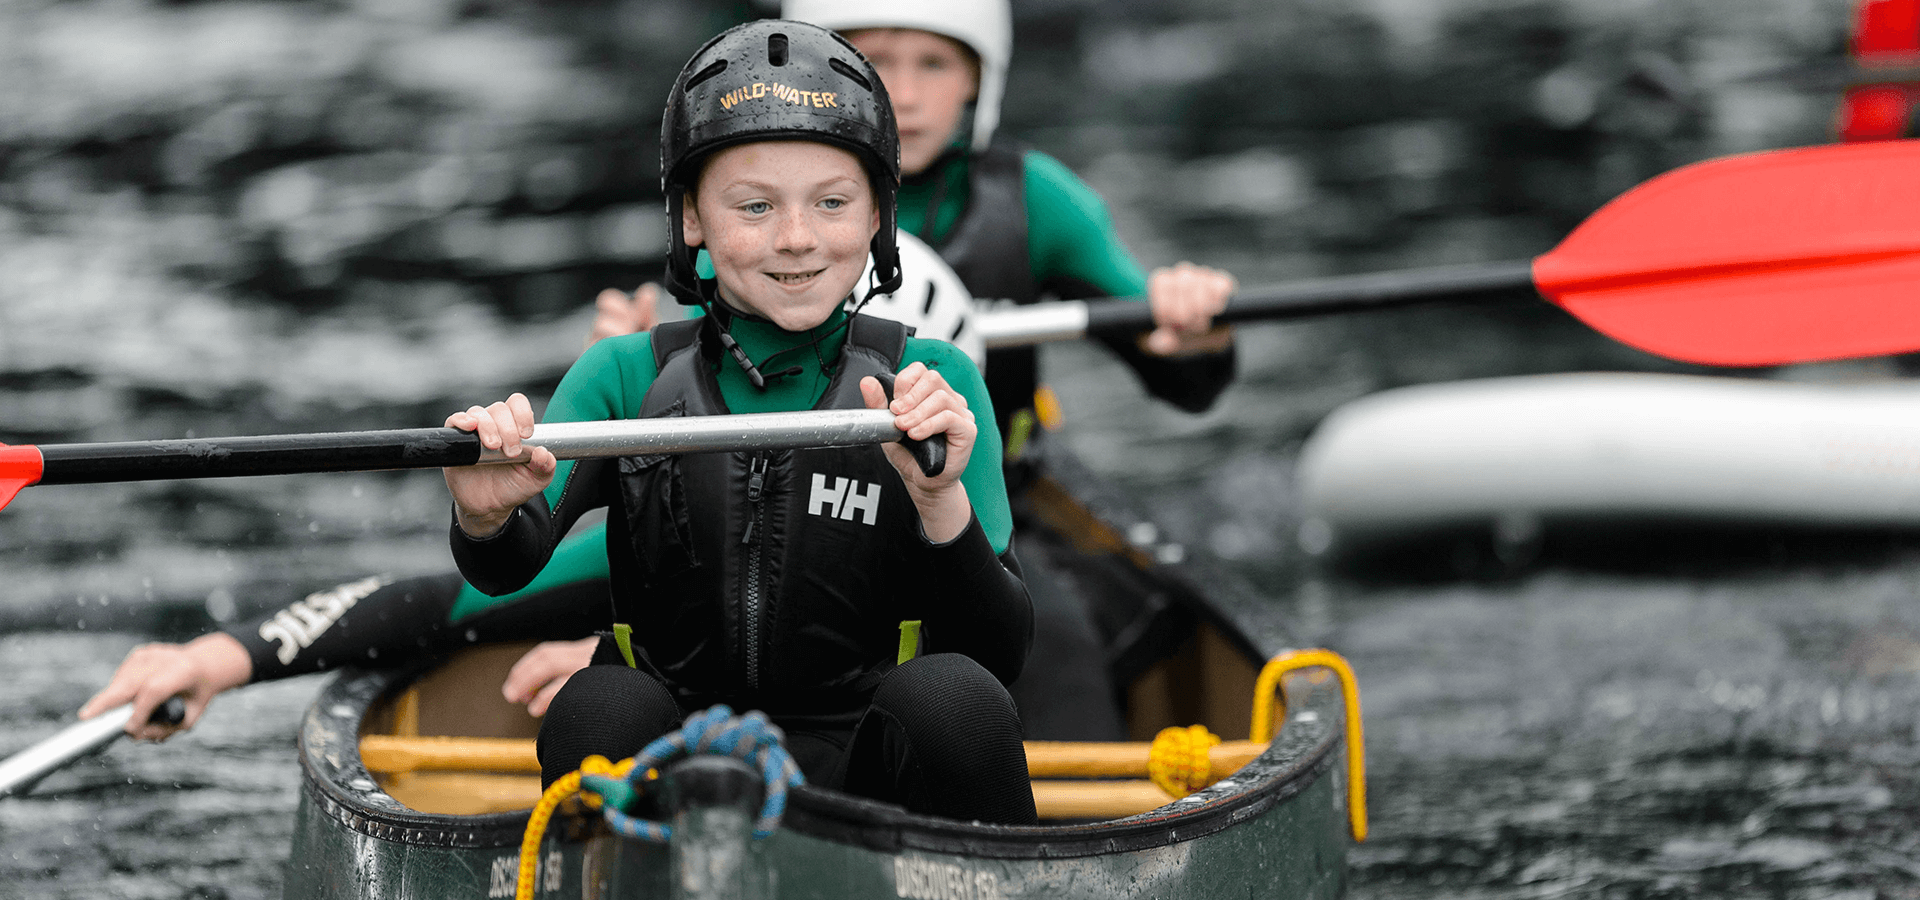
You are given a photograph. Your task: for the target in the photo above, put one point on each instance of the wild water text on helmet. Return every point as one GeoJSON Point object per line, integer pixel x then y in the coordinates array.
{"type": "Point", "coordinates": [794, 96]}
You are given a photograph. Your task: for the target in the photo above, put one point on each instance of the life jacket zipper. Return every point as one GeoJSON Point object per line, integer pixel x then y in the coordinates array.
{"type": "Point", "coordinates": [756, 481]}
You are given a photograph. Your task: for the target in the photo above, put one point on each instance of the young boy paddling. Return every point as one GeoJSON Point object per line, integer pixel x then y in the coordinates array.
{"type": "Point", "coordinates": [779, 581]}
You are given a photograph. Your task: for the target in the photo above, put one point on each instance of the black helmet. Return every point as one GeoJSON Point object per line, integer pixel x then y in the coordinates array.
{"type": "Point", "coordinates": [777, 80]}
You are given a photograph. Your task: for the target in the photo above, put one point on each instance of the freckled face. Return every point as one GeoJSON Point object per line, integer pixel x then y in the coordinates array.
{"type": "Point", "coordinates": [787, 224]}
{"type": "Point", "coordinates": [929, 78]}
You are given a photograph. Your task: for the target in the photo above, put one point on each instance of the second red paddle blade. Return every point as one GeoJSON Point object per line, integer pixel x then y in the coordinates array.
{"type": "Point", "coordinates": [1787, 256]}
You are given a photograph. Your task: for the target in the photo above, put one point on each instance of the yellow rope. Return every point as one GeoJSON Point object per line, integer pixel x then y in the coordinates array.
{"type": "Point", "coordinates": [1266, 696]}
{"type": "Point", "coordinates": [1179, 761]}
{"type": "Point", "coordinates": [566, 786]}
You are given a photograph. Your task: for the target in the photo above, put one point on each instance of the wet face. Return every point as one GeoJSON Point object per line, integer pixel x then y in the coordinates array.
{"type": "Point", "coordinates": [930, 79]}
{"type": "Point", "coordinates": [787, 224]}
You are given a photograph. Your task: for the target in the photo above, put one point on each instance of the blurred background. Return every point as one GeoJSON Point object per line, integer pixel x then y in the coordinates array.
{"type": "Point", "coordinates": [271, 216]}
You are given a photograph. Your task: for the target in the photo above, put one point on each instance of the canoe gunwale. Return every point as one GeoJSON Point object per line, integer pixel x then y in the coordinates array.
{"type": "Point", "coordinates": [1303, 754]}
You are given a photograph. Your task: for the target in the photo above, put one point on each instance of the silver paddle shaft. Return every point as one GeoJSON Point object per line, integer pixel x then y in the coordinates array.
{"type": "Point", "coordinates": [1036, 324]}
{"type": "Point", "coordinates": [709, 434]}
{"type": "Point", "coordinates": [22, 770]}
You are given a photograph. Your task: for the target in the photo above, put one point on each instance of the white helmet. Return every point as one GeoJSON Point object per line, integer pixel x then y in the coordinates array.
{"type": "Point", "coordinates": [931, 298]}
{"type": "Point", "coordinates": [986, 26]}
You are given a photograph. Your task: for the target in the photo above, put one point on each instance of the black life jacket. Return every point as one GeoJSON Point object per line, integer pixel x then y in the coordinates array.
{"type": "Point", "coordinates": [769, 579]}
{"type": "Point", "coordinates": [987, 248]}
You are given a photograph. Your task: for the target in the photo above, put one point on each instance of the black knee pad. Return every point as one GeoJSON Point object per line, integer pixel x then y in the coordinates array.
{"type": "Point", "coordinates": [948, 739]}
{"type": "Point", "coordinates": [946, 694]}
{"type": "Point", "coordinates": [613, 711]}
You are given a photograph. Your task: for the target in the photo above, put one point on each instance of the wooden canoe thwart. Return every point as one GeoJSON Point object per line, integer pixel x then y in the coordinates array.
{"type": "Point", "coordinates": [491, 763]}
{"type": "Point", "coordinates": [419, 781]}
{"type": "Point", "coordinates": [386, 754]}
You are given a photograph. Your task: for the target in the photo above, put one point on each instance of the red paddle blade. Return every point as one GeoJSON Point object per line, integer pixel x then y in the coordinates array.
{"type": "Point", "coordinates": [19, 467]}
{"type": "Point", "coordinates": [1789, 256]}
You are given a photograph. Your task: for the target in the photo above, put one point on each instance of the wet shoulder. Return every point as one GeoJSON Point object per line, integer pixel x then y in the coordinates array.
{"type": "Point", "coordinates": [961, 374]}
{"type": "Point", "coordinates": [950, 361]}
{"type": "Point", "coordinates": [1053, 189]}
{"type": "Point", "coordinates": [1071, 237]}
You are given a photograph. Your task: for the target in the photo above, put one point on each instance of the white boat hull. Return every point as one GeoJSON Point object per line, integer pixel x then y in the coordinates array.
{"type": "Point", "coordinates": [1527, 449]}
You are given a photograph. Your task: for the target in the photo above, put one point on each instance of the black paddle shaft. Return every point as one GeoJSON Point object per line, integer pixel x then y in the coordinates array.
{"type": "Point", "coordinates": [1346, 293]}
{"type": "Point", "coordinates": [424, 448]}
{"type": "Point", "coordinates": [286, 454]}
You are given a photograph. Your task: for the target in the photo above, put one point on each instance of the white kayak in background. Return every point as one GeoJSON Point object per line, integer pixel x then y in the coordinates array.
{"type": "Point", "coordinates": [1517, 451]}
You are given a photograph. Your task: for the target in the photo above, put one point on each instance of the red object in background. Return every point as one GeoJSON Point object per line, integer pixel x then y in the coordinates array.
{"type": "Point", "coordinates": [1887, 32]}
{"type": "Point", "coordinates": [1787, 256]}
{"type": "Point", "coordinates": [1886, 35]}
{"type": "Point", "coordinates": [1875, 112]}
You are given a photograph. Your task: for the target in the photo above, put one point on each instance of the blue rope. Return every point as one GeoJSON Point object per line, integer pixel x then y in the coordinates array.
{"type": "Point", "coordinates": [718, 731]}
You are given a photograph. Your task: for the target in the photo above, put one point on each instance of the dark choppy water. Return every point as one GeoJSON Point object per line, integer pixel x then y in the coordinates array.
{"type": "Point", "coordinates": [256, 217]}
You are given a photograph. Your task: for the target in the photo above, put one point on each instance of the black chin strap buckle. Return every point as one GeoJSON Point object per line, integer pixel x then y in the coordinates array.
{"type": "Point", "coordinates": [732, 346]}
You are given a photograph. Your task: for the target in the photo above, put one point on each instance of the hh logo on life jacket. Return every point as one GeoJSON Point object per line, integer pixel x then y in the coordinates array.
{"type": "Point", "coordinates": [844, 499]}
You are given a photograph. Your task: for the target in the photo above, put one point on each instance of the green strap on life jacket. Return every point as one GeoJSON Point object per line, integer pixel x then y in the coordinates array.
{"type": "Point", "coordinates": [909, 641]}
{"type": "Point", "coordinates": [623, 636]}
{"type": "Point", "coordinates": [1018, 432]}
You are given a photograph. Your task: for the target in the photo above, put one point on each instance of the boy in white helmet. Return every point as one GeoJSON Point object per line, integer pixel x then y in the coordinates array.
{"type": "Point", "coordinates": [1013, 222]}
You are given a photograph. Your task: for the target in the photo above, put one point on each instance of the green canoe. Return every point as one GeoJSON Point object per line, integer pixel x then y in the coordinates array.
{"type": "Point", "coordinates": [1180, 645]}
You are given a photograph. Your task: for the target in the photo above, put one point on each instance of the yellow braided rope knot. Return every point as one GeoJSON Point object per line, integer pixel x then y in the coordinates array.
{"type": "Point", "coordinates": [1179, 760]}
{"type": "Point", "coordinates": [566, 786]}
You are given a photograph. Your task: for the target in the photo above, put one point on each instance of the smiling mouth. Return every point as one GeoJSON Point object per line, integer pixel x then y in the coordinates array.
{"type": "Point", "coordinates": [794, 277]}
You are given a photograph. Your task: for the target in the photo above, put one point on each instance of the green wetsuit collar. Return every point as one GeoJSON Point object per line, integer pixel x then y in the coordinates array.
{"type": "Point", "coordinates": [774, 349]}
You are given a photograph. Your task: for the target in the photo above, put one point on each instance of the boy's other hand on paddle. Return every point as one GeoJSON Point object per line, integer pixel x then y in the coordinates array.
{"type": "Point", "coordinates": [1185, 298]}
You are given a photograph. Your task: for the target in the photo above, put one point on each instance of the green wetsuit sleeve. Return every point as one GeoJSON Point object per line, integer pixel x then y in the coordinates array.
{"type": "Point", "coordinates": [986, 484]}
{"type": "Point", "coordinates": [1076, 253]}
{"type": "Point", "coordinates": [607, 382]}
{"type": "Point", "coordinates": [1070, 233]}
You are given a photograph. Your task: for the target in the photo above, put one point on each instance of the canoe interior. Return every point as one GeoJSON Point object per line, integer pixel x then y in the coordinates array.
{"type": "Point", "coordinates": [460, 698]}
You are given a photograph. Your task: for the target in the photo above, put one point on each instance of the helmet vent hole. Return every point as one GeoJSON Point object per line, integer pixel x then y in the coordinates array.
{"type": "Point", "coordinates": [777, 49]}
{"type": "Point", "coordinates": [716, 68]}
{"type": "Point", "coordinates": [850, 72]}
